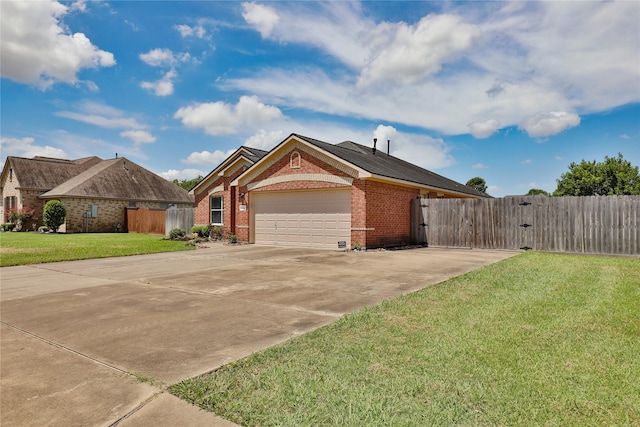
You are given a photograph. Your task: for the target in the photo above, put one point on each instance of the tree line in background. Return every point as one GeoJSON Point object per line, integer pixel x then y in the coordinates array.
{"type": "Point", "coordinates": [188, 184]}
{"type": "Point", "coordinates": [615, 176]}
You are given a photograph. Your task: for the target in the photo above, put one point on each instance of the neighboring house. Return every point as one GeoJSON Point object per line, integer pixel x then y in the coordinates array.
{"type": "Point", "coordinates": [23, 180]}
{"type": "Point", "coordinates": [307, 192]}
{"type": "Point", "coordinates": [95, 192]}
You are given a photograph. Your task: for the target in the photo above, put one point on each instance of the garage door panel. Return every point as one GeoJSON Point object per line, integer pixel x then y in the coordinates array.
{"type": "Point", "coordinates": [306, 218]}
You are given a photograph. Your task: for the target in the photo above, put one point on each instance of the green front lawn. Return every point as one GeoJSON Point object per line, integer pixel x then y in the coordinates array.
{"type": "Point", "coordinates": [539, 339]}
{"type": "Point", "coordinates": [32, 248]}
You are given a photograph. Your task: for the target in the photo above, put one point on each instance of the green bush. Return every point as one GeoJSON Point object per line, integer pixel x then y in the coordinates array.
{"type": "Point", "coordinates": [233, 238]}
{"type": "Point", "coordinates": [200, 230]}
{"type": "Point", "coordinates": [54, 214]}
{"type": "Point", "coordinates": [216, 232]}
{"type": "Point", "coordinates": [7, 227]}
{"type": "Point", "coordinates": [43, 229]}
{"type": "Point", "coordinates": [177, 234]}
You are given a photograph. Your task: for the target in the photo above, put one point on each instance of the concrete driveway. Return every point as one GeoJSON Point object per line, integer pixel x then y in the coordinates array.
{"type": "Point", "coordinates": [95, 342]}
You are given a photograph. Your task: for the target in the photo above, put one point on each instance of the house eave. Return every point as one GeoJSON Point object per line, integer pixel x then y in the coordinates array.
{"type": "Point", "coordinates": [277, 151]}
{"type": "Point", "coordinates": [403, 183]}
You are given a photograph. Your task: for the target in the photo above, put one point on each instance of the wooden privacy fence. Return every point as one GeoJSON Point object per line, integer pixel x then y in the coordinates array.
{"type": "Point", "coordinates": [146, 221]}
{"type": "Point", "coordinates": [593, 225]}
{"type": "Point", "coordinates": [179, 218]}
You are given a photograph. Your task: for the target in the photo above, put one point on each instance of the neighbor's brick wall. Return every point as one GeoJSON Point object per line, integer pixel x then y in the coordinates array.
{"type": "Point", "coordinates": [24, 198]}
{"type": "Point", "coordinates": [9, 190]}
{"type": "Point", "coordinates": [109, 212]}
{"type": "Point", "coordinates": [29, 198]}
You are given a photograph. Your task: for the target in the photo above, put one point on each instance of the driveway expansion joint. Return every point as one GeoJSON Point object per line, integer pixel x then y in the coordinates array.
{"type": "Point", "coordinates": [65, 348]}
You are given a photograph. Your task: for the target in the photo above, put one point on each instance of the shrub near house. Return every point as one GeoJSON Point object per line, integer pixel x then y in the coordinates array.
{"type": "Point", "coordinates": [54, 214]}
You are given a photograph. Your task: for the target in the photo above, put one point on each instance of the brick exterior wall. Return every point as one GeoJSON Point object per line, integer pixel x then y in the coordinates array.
{"type": "Point", "coordinates": [388, 214]}
{"type": "Point", "coordinates": [229, 201]}
{"type": "Point", "coordinates": [109, 212]}
{"type": "Point", "coordinates": [380, 211]}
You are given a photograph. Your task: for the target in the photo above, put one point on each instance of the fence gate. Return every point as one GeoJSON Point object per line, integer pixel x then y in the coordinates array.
{"type": "Point", "coordinates": [146, 221]}
{"type": "Point", "coordinates": [594, 224]}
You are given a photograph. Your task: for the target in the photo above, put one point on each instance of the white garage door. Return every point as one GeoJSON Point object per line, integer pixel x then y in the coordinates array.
{"type": "Point", "coordinates": [320, 218]}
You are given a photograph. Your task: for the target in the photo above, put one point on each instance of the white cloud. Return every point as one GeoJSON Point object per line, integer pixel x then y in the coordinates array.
{"type": "Point", "coordinates": [79, 5]}
{"type": "Point", "coordinates": [422, 150]}
{"type": "Point", "coordinates": [207, 158]}
{"type": "Point", "coordinates": [100, 121]}
{"type": "Point", "coordinates": [485, 129]}
{"type": "Point", "coordinates": [187, 31]}
{"type": "Point", "coordinates": [138, 136]}
{"type": "Point", "coordinates": [383, 134]}
{"type": "Point", "coordinates": [263, 18]}
{"type": "Point", "coordinates": [505, 64]}
{"type": "Point", "coordinates": [220, 118]}
{"type": "Point", "coordinates": [265, 140]}
{"type": "Point", "coordinates": [479, 166]}
{"type": "Point", "coordinates": [162, 87]}
{"type": "Point", "coordinates": [418, 51]}
{"type": "Point", "coordinates": [163, 57]}
{"type": "Point", "coordinates": [183, 174]}
{"type": "Point", "coordinates": [102, 116]}
{"type": "Point", "coordinates": [337, 28]}
{"type": "Point", "coordinates": [37, 48]}
{"type": "Point", "coordinates": [552, 123]}
{"type": "Point", "coordinates": [527, 162]}
{"type": "Point", "coordinates": [25, 147]}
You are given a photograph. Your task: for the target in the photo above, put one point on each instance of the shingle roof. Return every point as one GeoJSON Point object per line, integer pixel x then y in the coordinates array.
{"type": "Point", "coordinates": [251, 154]}
{"type": "Point", "coordinates": [384, 165]}
{"type": "Point", "coordinates": [256, 154]}
{"type": "Point", "coordinates": [45, 173]}
{"type": "Point", "coordinates": [120, 179]}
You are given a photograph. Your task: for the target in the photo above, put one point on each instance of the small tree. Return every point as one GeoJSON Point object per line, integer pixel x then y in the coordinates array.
{"type": "Point", "coordinates": [477, 183]}
{"type": "Point", "coordinates": [54, 214]}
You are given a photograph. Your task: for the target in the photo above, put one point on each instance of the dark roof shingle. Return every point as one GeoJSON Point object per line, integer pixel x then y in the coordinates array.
{"type": "Point", "coordinates": [45, 173]}
{"type": "Point", "coordinates": [120, 179]}
{"type": "Point", "coordinates": [384, 165]}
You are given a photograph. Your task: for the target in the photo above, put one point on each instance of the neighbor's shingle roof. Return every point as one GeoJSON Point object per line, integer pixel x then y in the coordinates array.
{"type": "Point", "coordinates": [384, 165]}
{"type": "Point", "coordinates": [45, 173]}
{"type": "Point", "coordinates": [120, 179]}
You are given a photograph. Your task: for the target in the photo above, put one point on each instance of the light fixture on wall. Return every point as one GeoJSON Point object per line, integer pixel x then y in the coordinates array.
{"type": "Point", "coordinates": [242, 195]}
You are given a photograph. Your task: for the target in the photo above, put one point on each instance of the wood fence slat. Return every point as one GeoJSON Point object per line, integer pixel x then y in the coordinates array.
{"type": "Point", "coordinates": [595, 224]}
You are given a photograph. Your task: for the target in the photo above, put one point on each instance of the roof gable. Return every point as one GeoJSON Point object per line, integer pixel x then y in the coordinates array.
{"type": "Point", "coordinates": [362, 162]}
{"type": "Point", "coordinates": [45, 173]}
{"type": "Point", "coordinates": [247, 154]}
{"type": "Point", "coordinates": [120, 179]}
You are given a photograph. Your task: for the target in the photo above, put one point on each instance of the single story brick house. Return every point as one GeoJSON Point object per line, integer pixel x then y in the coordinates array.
{"type": "Point", "coordinates": [96, 193]}
{"type": "Point", "coordinates": [307, 192]}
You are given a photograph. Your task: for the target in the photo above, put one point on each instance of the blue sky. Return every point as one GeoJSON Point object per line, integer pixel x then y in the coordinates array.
{"type": "Point", "coordinates": [509, 91]}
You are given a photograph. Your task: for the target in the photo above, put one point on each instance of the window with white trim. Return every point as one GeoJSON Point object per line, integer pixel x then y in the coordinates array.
{"type": "Point", "coordinates": [217, 208]}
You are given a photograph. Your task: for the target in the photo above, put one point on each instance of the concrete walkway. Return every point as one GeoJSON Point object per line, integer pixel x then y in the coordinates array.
{"type": "Point", "coordinates": [96, 342]}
